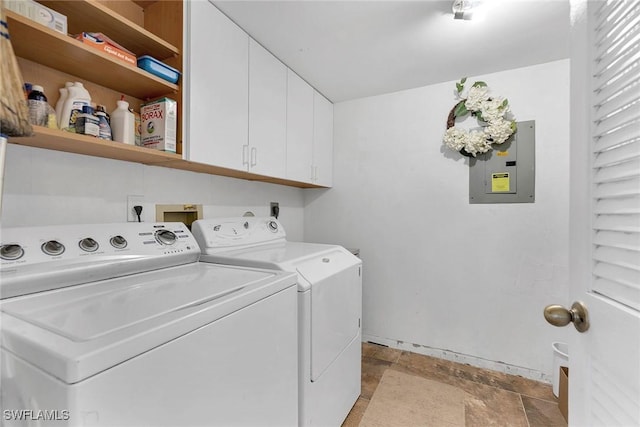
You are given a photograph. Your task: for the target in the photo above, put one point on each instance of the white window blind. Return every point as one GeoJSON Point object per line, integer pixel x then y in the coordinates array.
{"type": "Point", "coordinates": [616, 148]}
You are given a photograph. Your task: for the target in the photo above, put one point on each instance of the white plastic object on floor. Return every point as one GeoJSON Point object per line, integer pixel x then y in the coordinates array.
{"type": "Point", "coordinates": [560, 358]}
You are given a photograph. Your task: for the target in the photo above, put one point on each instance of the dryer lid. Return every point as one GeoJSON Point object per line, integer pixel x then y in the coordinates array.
{"type": "Point", "coordinates": [313, 261]}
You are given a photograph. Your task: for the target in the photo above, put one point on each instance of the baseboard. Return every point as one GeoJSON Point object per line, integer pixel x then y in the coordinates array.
{"type": "Point", "coordinates": [466, 359]}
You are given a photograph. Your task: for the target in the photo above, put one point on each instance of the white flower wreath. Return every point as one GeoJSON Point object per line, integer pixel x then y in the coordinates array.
{"type": "Point", "coordinates": [490, 111]}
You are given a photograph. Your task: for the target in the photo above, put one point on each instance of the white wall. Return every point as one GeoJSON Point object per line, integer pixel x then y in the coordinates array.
{"type": "Point", "coordinates": [439, 273]}
{"type": "Point", "coordinates": [45, 187]}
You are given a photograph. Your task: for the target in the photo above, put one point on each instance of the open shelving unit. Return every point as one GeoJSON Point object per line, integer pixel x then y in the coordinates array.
{"type": "Point", "coordinates": [55, 50]}
{"type": "Point", "coordinates": [50, 58]}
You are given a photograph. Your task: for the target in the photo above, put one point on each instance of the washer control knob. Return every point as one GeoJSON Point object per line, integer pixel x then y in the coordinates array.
{"type": "Point", "coordinates": [11, 252]}
{"type": "Point", "coordinates": [118, 242]}
{"type": "Point", "coordinates": [165, 237]}
{"type": "Point", "coordinates": [273, 226]}
{"type": "Point", "coordinates": [88, 244]}
{"type": "Point", "coordinates": [53, 248]}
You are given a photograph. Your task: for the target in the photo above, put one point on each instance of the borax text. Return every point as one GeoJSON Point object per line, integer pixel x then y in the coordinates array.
{"type": "Point", "coordinates": [155, 114]}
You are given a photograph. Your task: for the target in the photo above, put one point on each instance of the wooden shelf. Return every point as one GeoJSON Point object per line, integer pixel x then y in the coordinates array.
{"type": "Point", "coordinates": [232, 173]}
{"type": "Point", "coordinates": [92, 16]}
{"type": "Point", "coordinates": [45, 46]}
{"type": "Point", "coordinates": [145, 3]}
{"type": "Point", "coordinates": [54, 139]}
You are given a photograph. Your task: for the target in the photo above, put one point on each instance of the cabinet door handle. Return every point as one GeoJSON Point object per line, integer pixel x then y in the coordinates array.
{"type": "Point", "coordinates": [254, 156]}
{"type": "Point", "coordinates": [245, 154]}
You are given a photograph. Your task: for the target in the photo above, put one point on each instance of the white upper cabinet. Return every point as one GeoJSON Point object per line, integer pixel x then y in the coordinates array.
{"type": "Point", "coordinates": [246, 111]}
{"type": "Point", "coordinates": [267, 113]}
{"type": "Point", "coordinates": [299, 129]}
{"type": "Point", "coordinates": [217, 99]}
{"type": "Point", "coordinates": [322, 141]}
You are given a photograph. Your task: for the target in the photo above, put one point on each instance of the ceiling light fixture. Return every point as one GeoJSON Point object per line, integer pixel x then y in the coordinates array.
{"type": "Point", "coordinates": [463, 9]}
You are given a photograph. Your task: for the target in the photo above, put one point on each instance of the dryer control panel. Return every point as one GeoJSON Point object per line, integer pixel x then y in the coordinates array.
{"type": "Point", "coordinates": [34, 259]}
{"type": "Point", "coordinates": [224, 234]}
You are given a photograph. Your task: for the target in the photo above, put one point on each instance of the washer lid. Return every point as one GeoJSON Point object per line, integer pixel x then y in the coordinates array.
{"type": "Point", "coordinates": [78, 331]}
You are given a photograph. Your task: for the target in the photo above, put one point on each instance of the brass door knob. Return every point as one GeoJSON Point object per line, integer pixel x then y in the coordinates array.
{"type": "Point", "coordinates": [557, 315]}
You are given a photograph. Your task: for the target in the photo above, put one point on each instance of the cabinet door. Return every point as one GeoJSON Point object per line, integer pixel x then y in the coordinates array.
{"type": "Point", "coordinates": [299, 128]}
{"type": "Point", "coordinates": [322, 140]}
{"type": "Point", "coordinates": [267, 113]}
{"type": "Point", "coordinates": [217, 87]}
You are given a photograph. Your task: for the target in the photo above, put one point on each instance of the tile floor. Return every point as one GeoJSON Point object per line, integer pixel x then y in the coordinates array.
{"type": "Point", "coordinates": [507, 400]}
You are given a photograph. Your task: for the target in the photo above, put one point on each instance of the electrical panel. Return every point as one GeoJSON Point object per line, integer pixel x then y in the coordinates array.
{"type": "Point", "coordinates": [506, 174]}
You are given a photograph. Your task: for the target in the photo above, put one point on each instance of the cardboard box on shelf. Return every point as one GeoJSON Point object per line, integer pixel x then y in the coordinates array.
{"type": "Point", "coordinates": [159, 122]}
{"type": "Point", "coordinates": [563, 403]}
{"type": "Point", "coordinates": [38, 13]}
{"type": "Point", "coordinates": [101, 42]}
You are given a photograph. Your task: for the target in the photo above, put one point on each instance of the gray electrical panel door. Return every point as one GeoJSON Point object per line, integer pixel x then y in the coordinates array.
{"type": "Point", "coordinates": [506, 174]}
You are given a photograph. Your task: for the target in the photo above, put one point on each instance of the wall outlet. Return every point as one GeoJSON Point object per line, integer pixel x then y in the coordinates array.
{"type": "Point", "coordinates": [131, 202]}
{"type": "Point", "coordinates": [274, 210]}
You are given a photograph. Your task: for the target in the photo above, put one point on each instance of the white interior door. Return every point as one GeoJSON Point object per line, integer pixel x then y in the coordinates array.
{"type": "Point", "coordinates": [604, 362]}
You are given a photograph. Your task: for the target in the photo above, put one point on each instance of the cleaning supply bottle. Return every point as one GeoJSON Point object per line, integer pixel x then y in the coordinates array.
{"type": "Point", "coordinates": [122, 123]}
{"type": "Point", "coordinates": [137, 127]}
{"type": "Point", "coordinates": [104, 123]}
{"type": "Point", "coordinates": [37, 101]}
{"type": "Point", "coordinates": [77, 97]}
{"type": "Point", "coordinates": [27, 90]}
{"type": "Point", "coordinates": [64, 92]}
{"type": "Point", "coordinates": [87, 123]}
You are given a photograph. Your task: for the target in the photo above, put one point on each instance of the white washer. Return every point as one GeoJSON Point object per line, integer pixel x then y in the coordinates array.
{"type": "Point", "coordinates": [120, 325]}
{"type": "Point", "coordinates": [329, 304]}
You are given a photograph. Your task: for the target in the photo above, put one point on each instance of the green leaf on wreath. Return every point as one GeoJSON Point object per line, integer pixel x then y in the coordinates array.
{"type": "Point", "coordinates": [479, 84]}
{"type": "Point", "coordinates": [460, 110]}
{"type": "Point", "coordinates": [504, 104]}
{"type": "Point", "coordinates": [514, 126]}
{"type": "Point", "coordinates": [460, 86]}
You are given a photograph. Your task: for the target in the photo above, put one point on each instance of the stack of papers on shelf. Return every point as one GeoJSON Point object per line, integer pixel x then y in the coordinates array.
{"type": "Point", "coordinates": [101, 42]}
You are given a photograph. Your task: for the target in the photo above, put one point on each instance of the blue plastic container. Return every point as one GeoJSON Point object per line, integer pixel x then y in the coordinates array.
{"type": "Point", "coordinates": [159, 69]}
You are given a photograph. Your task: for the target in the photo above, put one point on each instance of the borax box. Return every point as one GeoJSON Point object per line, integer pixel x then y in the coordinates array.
{"type": "Point", "coordinates": [159, 121]}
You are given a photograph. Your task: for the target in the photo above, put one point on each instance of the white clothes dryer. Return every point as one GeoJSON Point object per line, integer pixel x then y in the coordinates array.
{"type": "Point", "coordinates": [329, 302]}
{"type": "Point", "coordinates": [120, 325]}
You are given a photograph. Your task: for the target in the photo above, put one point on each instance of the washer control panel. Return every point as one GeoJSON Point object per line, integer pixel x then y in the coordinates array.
{"type": "Point", "coordinates": [24, 245]}
{"type": "Point", "coordinates": [30, 254]}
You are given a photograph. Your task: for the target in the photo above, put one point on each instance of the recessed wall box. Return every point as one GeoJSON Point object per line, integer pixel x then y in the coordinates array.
{"type": "Point", "coordinates": [506, 174]}
{"type": "Point", "coordinates": [185, 214]}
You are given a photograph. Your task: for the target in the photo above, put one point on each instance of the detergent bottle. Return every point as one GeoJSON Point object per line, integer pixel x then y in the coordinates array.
{"type": "Point", "coordinates": [77, 97]}
{"type": "Point", "coordinates": [64, 92]}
